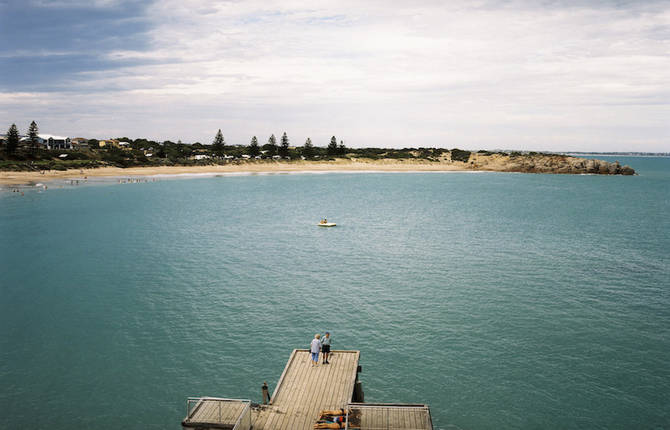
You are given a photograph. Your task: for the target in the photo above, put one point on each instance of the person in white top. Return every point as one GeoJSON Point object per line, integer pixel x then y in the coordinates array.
{"type": "Point", "coordinates": [315, 348]}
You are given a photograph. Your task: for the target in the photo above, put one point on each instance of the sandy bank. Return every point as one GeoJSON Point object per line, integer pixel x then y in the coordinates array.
{"type": "Point", "coordinates": [476, 162]}
{"type": "Point", "coordinates": [17, 178]}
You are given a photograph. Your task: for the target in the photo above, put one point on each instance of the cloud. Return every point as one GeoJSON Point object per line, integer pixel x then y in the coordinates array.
{"type": "Point", "coordinates": [476, 74]}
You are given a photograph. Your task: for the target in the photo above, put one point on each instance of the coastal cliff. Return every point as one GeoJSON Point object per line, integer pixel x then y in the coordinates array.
{"type": "Point", "coordinates": [544, 163]}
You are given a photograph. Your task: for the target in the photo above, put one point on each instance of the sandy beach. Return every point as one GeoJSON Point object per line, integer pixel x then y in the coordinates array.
{"type": "Point", "coordinates": [537, 163]}
{"type": "Point", "coordinates": [24, 178]}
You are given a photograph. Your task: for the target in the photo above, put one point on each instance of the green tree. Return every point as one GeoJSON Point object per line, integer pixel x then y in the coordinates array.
{"type": "Point", "coordinates": [271, 146]}
{"type": "Point", "coordinates": [160, 151]}
{"type": "Point", "coordinates": [308, 149]}
{"type": "Point", "coordinates": [283, 149]}
{"type": "Point", "coordinates": [219, 144]}
{"type": "Point", "coordinates": [253, 148]}
{"type": "Point", "coordinates": [332, 146]}
{"type": "Point", "coordinates": [32, 133]}
{"type": "Point", "coordinates": [342, 150]}
{"type": "Point", "coordinates": [12, 141]}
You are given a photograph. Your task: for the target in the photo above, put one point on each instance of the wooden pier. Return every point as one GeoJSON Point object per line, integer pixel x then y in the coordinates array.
{"type": "Point", "coordinates": [303, 390]}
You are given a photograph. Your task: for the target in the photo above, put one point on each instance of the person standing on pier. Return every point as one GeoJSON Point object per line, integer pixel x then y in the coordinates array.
{"type": "Point", "coordinates": [325, 347]}
{"type": "Point", "coordinates": [315, 349]}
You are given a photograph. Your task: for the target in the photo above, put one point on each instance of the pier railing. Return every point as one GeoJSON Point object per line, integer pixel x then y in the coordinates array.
{"type": "Point", "coordinates": [217, 412]}
{"type": "Point", "coordinates": [382, 416]}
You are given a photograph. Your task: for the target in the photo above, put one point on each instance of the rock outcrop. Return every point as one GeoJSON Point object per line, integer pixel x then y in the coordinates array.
{"type": "Point", "coordinates": [545, 163]}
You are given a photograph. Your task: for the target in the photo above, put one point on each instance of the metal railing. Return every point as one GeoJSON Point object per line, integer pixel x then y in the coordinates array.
{"type": "Point", "coordinates": [243, 421]}
{"type": "Point", "coordinates": [380, 416]}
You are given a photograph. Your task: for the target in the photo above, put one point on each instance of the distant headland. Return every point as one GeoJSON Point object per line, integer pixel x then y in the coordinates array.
{"type": "Point", "coordinates": [37, 157]}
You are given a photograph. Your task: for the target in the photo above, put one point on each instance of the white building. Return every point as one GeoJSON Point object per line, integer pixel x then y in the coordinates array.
{"type": "Point", "coordinates": [54, 142]}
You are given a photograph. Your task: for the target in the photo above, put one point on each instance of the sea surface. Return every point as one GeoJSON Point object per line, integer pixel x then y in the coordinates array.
{"type": "Point", "coordinates": [501, 300]}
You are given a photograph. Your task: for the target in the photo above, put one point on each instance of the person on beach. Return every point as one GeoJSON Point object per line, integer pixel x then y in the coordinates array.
{"type": "Point", "coordinates": [325, 347]}
{"type": "Point", "coordinates": [315, 348]}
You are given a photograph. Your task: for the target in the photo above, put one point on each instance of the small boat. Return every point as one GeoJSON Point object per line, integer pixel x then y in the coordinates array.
{"type": "Point", "coordinates": [326, 224]}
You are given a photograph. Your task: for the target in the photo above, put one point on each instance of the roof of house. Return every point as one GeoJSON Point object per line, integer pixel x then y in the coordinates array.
{"type": "Point", "coordinates": [51, 136]}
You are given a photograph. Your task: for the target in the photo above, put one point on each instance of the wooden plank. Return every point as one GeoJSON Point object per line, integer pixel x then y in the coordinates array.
{"type": "Point", "coordinates": [287, 397]}
{"type": "Point", "coordinates": [319, 394]}
{"type": "Point", "coordinates": [203, 413]}
{"type": "Point", "coordinates": [215, 411]}
{"type": "Point", "coordinates": [317, 383]}
{"type": "Point", "coordinates": [416, 418]}
{"type": "Point", "coordinates": [339, 363]}
{"type": "Point", "coordinates": [260, 419]}
{"type": "Point", "coordinates": [406, 418]}
{"type": "Point", "coordinates": [231, 413]}
{"type": "Point", "coordinates": [301, 396]}
{"type": "Point", "coordinates": [413, 417]}
{"type": "Point", "coordinates": [284, 388]}
{"type": "Point", "coordinates": [394, 417]}
{"type": "Point", "coordinates": [334, 395]}
{"type": "Point", "coordinates": [429, 420]}
{"type": "Point", "coordinates": [281, 378]}
{"type": "Point", "coordinates": [291, 400]}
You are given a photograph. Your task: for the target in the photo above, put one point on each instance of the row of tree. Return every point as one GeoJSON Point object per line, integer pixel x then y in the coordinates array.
{"type": "Point", "coordinates": [271, 148]}
{"type": "Point", "coordinates": [167, 149]}
{"type": "Point", "coordinates": [13, 138]}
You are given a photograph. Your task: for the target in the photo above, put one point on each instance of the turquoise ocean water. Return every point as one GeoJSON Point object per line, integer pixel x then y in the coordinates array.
{"type": "Point", "coordinates": [501, 300]}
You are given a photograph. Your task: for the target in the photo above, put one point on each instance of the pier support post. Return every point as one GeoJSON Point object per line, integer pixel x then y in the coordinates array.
{"type": "Point", "coordinates": [358, 396]}
{"type": "Point", "coordinates": [266, 393]}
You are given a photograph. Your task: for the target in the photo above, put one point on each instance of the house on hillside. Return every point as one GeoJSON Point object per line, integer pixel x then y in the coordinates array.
{"type": "Point", "coordinates": [49, 141]}
{"type": "Point", "coordinates": [109, 143]}
{"type": "Point", "coordinates": [79, 142]}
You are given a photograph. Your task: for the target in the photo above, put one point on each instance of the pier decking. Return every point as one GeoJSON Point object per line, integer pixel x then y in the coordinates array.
{"type": "Point", "coordinates": [302, 392]}
{"type": "Point", "coordinates": [214, 412]}
{"type": "Point", "coordinates": [388, 416]}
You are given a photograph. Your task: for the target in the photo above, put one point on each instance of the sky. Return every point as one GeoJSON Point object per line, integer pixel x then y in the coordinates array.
{"type": "Point", "coordinates": [527, 75]}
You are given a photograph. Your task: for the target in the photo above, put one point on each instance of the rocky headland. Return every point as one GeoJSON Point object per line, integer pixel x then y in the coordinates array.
{"type": "Point", "coordinates": [545, 163]}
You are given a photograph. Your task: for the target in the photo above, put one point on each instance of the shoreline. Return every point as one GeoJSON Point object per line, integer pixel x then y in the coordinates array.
{"type": "Point", "coordinates": [11, 178]}
{"type": "Point", "coordinates": [476, 162]}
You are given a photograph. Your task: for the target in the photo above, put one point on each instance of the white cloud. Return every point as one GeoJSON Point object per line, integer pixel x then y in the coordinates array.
{"type": "Point", "coordinates": [412, 74]}
{"type": "Point", "coordinates": [86, 4]}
